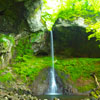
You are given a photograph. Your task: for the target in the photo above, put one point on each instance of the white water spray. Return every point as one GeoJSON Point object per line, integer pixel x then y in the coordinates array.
{"type": "Point", "coordinates": [53, 81]}
{"type": "Point", "coordinates": [53, 86]}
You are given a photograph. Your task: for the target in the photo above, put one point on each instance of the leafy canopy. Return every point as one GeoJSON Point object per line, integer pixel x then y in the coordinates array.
{"type": "Point", "coordinates": [71, 10]}
{"type": "Point", "coordinates": [50, 12]}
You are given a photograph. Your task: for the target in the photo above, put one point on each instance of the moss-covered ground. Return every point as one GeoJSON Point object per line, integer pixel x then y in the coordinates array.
{"type": "Point", "coordinates": [28, 67]}
{"type": "Point", "coordinates": [80, 70]}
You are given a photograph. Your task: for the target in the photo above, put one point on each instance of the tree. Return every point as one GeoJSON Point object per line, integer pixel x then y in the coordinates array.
{"type": "Point", "coordinates": [71, 10]}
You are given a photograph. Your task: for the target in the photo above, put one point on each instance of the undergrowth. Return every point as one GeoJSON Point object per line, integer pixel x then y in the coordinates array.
{"type": "Point", "coordinates": [28, 67]}
{"type": "Point", "coordinates": [80, 70]}
{"type": "Point", "coordinates": [6, 75]}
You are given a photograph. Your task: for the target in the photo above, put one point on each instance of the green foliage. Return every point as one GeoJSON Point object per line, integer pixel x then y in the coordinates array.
{"type": "Point", "coordinates": [24, 64]}
{"type": "Point", "coordinates": [71, 10]}
{"type": "Point", "coordinates": [95, 93]}
{"type": "Point", "coordinates": [6, 41]}
{"type": "Point", "coordinates": [77, 67]}
{"type": "Point", "coordinates": [80, 69]}
{"type": "Point", "coordinates": [96, 29]}
{"type": "Point", "coordinates": [5, 76]}
{"type": "Point", "coordinates": [87, 87]}
{"type": "Point", "coordinates": [6, 38]}
{"type": "Point", "coordinates": [24, 47]}
{"type": "Point", "coordinates": [50, 12]}
{"type": "Point", "coordinates": [28, 67]}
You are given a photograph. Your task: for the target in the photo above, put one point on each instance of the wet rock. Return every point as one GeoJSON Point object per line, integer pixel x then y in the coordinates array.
{"type": "Point", "coordinates": [64, 84]}
{"type": "Point", "coordinates": [40, 84]}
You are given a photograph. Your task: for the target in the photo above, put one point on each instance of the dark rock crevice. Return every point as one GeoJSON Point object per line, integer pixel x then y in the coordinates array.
{"type": "Point", "coordinates": [74, 42]}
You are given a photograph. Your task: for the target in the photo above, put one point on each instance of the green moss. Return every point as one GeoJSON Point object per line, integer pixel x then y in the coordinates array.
{"type": "Point", "coordinates": [28, 67]}
{"type": "Point", "coordinates": [3, 38]}
{"type": "Point", "coordinates": [5, 75]}
{"type": "Point", "coordinates": [23, 47]}
{"type": "Point", "coordinates": [79, 69]}
{"type": "Point", "coordinates": [88, 87]}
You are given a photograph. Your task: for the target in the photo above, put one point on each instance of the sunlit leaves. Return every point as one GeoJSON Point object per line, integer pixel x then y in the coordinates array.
{"type": "Point", "coordinates": [50, 12]}
{"type": "Point", "coordinates": [96, 29]}
{"type": "Point", "coordinates": [71, 10]}
{"type": "Point", "coordinates": [95, 4]}
{"type": "Point", "coordinates": [78, 6]}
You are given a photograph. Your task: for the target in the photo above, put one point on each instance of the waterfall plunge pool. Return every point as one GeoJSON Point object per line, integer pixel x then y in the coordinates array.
{"type": "Point", "coordinates": [61, 97]}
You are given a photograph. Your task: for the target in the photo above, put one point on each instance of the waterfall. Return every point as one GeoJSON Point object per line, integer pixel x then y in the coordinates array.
{"type": "Point", "coordinates": [52, 84]}
{"type": "Point", "coordinates": [53, 81]}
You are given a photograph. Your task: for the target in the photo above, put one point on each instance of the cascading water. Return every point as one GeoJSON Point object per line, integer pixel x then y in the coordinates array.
{"type": "Point", "coordinates": [52, 84]}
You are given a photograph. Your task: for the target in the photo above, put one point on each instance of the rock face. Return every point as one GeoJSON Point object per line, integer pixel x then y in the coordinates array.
{"type": "Point", "coordinates": [10, 16]}
{"type": "Point", "coordinates": [21, 18]}
{"type": "Point", "coordinates": [33, 15]}
{"type": "Point", "coordinates": [73, 39]}
{"type": "Point", "coordinates": [5, 49]}
{"type": "Point", "coordinates": [63, 82]}
{"type": "Point", "coordinates": [39, 46]}
{"type": "Point", "coordinates": [13, 13]}
{"type": "Point", "coordinates": [41, 83]}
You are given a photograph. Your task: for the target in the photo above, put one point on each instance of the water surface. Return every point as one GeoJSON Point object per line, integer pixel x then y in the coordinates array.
{"type": "Point", "coordinates": [61, 97]}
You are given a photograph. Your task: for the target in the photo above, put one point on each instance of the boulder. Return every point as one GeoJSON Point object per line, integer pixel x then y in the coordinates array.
{"type": "Point", "coordinates": [33, 14]}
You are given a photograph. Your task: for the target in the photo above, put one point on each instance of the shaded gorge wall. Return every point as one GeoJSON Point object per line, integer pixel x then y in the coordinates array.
{"type": "Point", "coordinates": [20, 23]}
{"type": "Point", "coordinates": [72, 41]}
